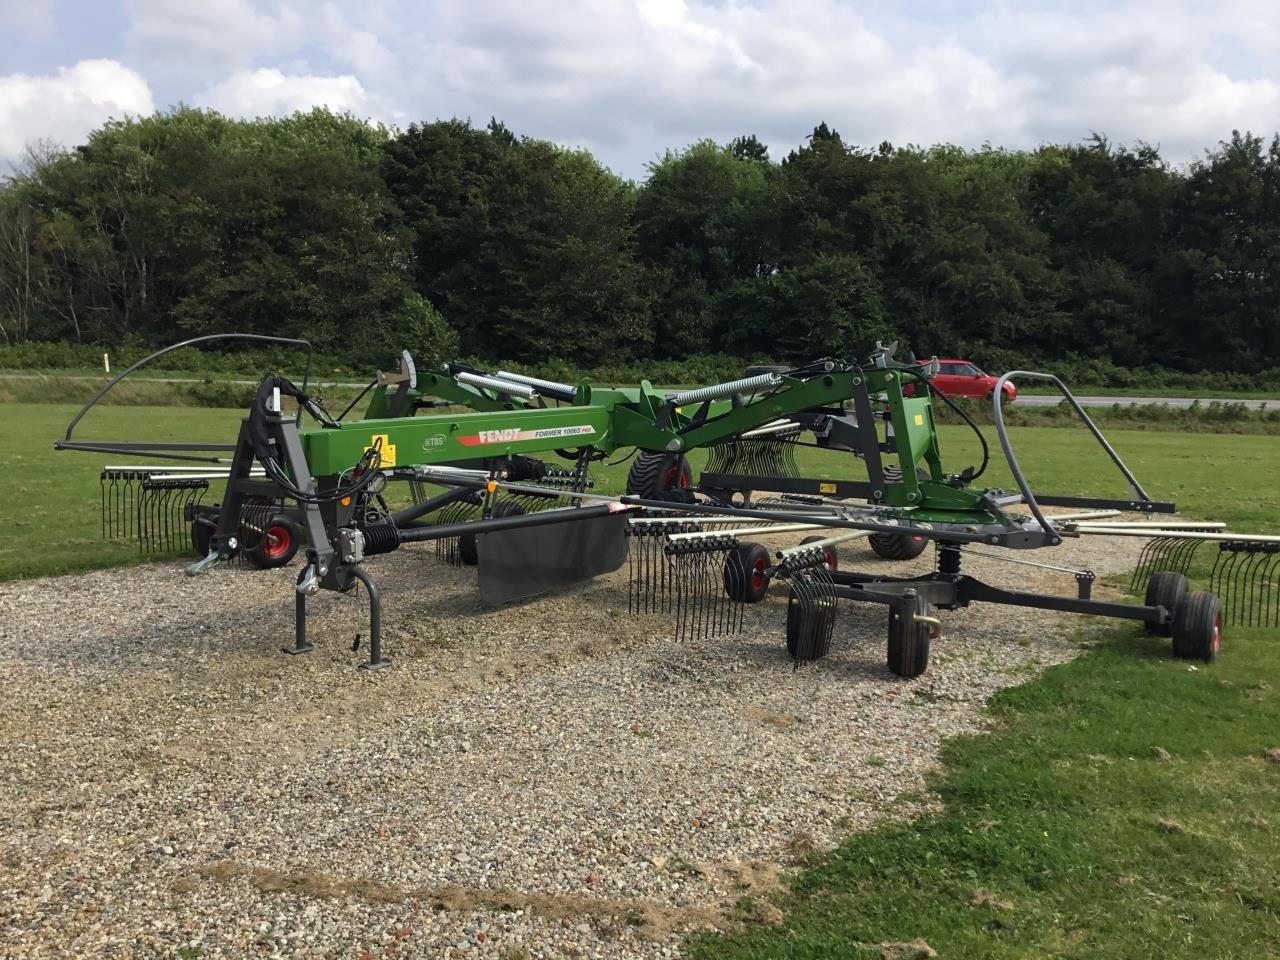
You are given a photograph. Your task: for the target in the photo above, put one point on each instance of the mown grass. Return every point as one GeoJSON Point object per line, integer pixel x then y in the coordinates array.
{"type": "Point", "coordinates": [1124, 807]}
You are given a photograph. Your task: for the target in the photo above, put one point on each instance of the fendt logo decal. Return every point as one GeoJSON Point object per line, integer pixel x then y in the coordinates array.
{"type": "Point", "coordinates": [513, 435]}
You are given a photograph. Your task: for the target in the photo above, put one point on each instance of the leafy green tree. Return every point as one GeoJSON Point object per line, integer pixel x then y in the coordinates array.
{"type": "Point", "coordinates": [1219, 284]}
{"type": "Point", "coordinates": [703, 225]}
{"type": "Point", "coordinates": [526, 247]}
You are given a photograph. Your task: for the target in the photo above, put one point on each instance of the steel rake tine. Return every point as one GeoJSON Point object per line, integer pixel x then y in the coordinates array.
{"type": "Point", "coordinates": [1236, 567]}
{"type": "Point", "coordinates": [102, 486]}
{"type": "Point", "coordinates": [631, 569]}
{"type": "Point", "coordinates": [1141, 571]}
{"type": "Point", "coordinates": [1223, 580]}
{"type": "Point", "coordinates": [1271, 594]}
{"type": "Point", "coordinates": [698, 563]}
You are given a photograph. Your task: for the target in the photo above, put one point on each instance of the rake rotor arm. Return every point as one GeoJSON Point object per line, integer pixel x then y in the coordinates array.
{"type": "Point", "coordinates": [139, 448]}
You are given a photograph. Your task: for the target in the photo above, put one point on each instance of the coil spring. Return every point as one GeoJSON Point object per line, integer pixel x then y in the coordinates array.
{"type": "Point", "coordinates": [382, 537]}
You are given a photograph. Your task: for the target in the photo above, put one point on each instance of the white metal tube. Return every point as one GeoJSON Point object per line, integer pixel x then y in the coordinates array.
{"type": "Point", "coordinates": [1086, 515]}
{"type": "Point", "coordinates": [716, 391]}
{"type": "Point", "coordinates": [534, 381]}
{"type": "Point", "coordinates": [493, 383]}
{"type": "Point", "coordinates": [1158, 525]}
{"type": "Point", "coordinates": [1217, 536]}
{"type": "Point", "coordinates": [746, 531]}
{"type": "Point", "coordinates": [824, 543]}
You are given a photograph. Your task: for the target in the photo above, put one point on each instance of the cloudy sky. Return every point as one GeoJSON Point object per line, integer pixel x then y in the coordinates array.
{"type": "Point", "coordinates": [630, 78]}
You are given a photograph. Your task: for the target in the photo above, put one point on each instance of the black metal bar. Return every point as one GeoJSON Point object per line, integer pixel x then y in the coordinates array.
{"type": "Point", "coordinates": [1002, 538]}
{"type": "Point", "coordinates": [838, 489]}
{"type": "Point", "coordinates": [440, 531]}
{"type": "Point", "coordinates": [300, 644]}
{"type": "Point", "coordinates": [864, 416]}
{"type": "Point", "coordinates": [970, 589]}
{"type": "Point", "coordinates": [133, 451]}
{"type": "Point", "coordinates": [177, 346]}
{"type": "Point", "coordinates": [1142, 506]}
{"type": "Point", "coordinates": [434, 503]}
{"type": "Point", "coordinates": [944, 590]}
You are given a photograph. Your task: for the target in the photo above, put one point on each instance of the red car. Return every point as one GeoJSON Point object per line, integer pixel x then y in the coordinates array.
{"type": "Point", "coordinates": [960, 378]}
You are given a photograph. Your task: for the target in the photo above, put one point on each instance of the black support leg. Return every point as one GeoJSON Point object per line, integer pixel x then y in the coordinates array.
{"type": "Point", "coordinates": [300, 644]}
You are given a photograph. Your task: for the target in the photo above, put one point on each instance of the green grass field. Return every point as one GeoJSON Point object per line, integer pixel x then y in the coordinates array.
{"type": "Point", "coordinates": [56, 512]}
{"type": "Point", "coordinates": [1125, 805]}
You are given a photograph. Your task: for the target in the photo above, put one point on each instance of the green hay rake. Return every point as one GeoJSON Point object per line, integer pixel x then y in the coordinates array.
{"type": "Point", "coordinates": [481, 492]}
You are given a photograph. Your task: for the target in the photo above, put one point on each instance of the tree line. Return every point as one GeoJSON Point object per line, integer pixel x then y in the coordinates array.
{"type": "Point", "coordinates": [452, 239]}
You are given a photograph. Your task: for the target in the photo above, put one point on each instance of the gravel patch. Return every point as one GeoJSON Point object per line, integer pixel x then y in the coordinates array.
{"type": "Point", "coordinates": [557, 779]}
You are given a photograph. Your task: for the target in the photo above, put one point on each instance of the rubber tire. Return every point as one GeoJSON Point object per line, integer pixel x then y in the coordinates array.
{"type": "Point", "coordinates": [655, 473]}
{"type": "Point", "coordinates": [258, 554]}
{"type": "Point", "coordinates": [468, 552]}
{"type": "Point", "coordinates": [909, 642]}
{"type": "Point", "coordinates": [1197, 627]}
{"type": "Point", "coordinates": [897, 546]}
{"type": "Point", "coordinates": [832, 555]}
{"type": "Point", "coordinates": [743, 579]}
{"type": "Point", "coordinates": [1168, 589]}
{"type": "Point", "coordinates": [202, 535]}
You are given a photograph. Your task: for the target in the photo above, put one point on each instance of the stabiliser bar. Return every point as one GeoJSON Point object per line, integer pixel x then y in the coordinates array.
{"type": "Point", "coordinates": [951, 591]}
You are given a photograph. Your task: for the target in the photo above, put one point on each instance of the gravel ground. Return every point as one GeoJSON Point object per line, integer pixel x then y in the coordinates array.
{"type": "Point", "coordinates": [558, 779]}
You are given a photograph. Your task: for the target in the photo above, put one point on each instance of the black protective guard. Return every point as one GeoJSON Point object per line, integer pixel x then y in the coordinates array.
{"type": "Point", "coordinates": [526, 562]}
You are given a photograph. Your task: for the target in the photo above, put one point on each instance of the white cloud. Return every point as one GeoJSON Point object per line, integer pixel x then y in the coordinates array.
{"type": "Point", "coordinates": [207, 38]}
{"type": "Point", "coordinates": [268, 92]}
{"type": "Point", "coordinates": [32, 19]}
{"type": "Point", "coordinates": [65, 106]}
{"type": "Point", "coordinates": [629, 78]}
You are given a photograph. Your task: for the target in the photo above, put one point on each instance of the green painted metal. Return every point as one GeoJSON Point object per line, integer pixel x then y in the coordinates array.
{"type": "Point", "coordinates": [607, 419]}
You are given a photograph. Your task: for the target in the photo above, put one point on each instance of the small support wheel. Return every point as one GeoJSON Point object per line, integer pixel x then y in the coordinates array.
{"type": "Point", "coordinates": [744, 573]}
{"type": "Point", "coordinates": [830, 557]}
{"type": "Point", "coordinates": [277, 546]}
{"type": "Point", "coordinates": [897, 546]}
{"type": "Point", "coordinates": [1197, 627]}
{"type": "Point", "coordinates": [1168, 589]}
{"type": "Point", "coordinates": [912, 627]}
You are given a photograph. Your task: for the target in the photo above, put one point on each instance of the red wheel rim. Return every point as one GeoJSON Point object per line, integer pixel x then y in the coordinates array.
{"type": "Point", "coordinates": [757, 574]}
{"type": "Point", "coordinates": [674, 479]}
{"type": "Point", "coordinates": [276, 542]}
{"type": "Point", "coordinates": [1216, 643]}
{"type": "Point", "coordinates": [829, 559]}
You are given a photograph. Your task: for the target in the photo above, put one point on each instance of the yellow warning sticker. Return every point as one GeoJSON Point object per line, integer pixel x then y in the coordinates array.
{"type": "Point", "coordinates": [388, 450]}
{"type": "Point", "coordinates": [919, 419]}
{"type": "Point", "coordinates": [826, 488]}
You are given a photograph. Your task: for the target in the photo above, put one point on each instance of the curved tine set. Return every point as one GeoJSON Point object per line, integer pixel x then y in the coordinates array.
{"type": "Point", "coordinates": [1244, 576]}
{"type": "Point", "coordinates": [150, 504]}
{"type": "Point", "coordinates": [703, 572]}
{"type": "Point", "coordinates": [772, 456]}
{"type": "Point", "coordinates": [811, 612]}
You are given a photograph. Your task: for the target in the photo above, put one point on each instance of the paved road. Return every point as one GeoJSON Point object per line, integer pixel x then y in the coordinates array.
{"type": "Point", "coordinates": [1032, 400]}
{"type": "Point", "coordinates": [1025, 399]}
